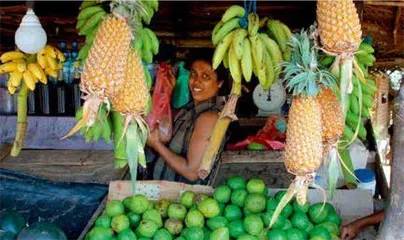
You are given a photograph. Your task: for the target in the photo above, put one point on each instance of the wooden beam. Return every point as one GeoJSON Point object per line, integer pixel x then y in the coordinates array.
{"type": "Point", "coordinates": [5, 151]}
{"type": "Point", "coordinates": [385, 3]}
{"type": "Point", "coordinates": [189, 42]}
{"type": "Point", "coordinates": [389, 63]}
{"type": "Point", "coordinates": [396, 24]}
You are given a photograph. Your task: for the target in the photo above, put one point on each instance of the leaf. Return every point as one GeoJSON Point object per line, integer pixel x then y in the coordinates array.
{"type": "Point", "coordinates": [333, 170]}
{"type": "Point", "coordinates": [132, 145]}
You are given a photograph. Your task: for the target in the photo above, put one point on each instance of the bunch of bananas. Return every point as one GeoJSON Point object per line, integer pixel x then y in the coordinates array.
{"type": "Point", "coordinates": [16, 63]}
{"type": "Point", "coordinates": [102, 126]}
{"type": "Point", "coordinates": [246, 50]}
{"type": "Point", "coordinates": [361, 99]}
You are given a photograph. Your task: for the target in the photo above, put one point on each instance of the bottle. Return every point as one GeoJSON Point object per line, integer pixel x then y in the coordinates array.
{"type": "Point", "coordinates": [76, 93]}
{"type": "Point", "coordinates": [53, 99]}
{"type": "Point", "coordinates": [44, 99]}
{"type": "Point", "coordinates": [61, 95]}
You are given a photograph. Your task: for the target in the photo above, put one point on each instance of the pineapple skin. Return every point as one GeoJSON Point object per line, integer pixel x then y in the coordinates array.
{"type": "Point", "coordinates": [331, 114]}
{"type": "Point", "coordinates": [339, 25]}
{"type": "Point", "coordinates": [133, 96]}
{"type": "Point", "coordinates": [104, 69]}
{"type": "Point", "coordinates": [304, 143]}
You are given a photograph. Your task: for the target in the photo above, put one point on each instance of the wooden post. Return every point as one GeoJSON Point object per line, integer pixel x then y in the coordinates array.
{"type": "Point", "coordinates": [392, 226]}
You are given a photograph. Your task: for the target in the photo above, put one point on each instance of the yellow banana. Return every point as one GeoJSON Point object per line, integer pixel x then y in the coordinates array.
{"type": "Point", "coordinates": [15, 78]}
{"type": "Point", "coordinates": [21, 64]}
{"type": "Point", "coordinates": [261, 74]}
{"type": "Point", "coordinates": [217, 28]}
{"type": "Point", "coordinates": [11, 88]}
{"type": "Point", "coordinates": [253, 24]}
{"type": "Point", "coordinates": [221, 49]}
{"type": "Point", "coordinates": [42, 61]}
{"type": "Point", "coordinates": [51, 62]}
{"type": "Point", "coordinates": [49, 51]}
{"type": "Point", "coordinates": [276, 31]}
{"type": "Point", "coordinates": [38, 72]}
{"type": "Point", "coordinates": [234, 65]}
{"type": "Point", "coordinates": [29, 79]}
{"type": "Point", "coordinates": [273, 50]}
{"type": "Point", "coordinates": [238, 40]}
{"type": "Point", "coordinates": [246, 61]}
{"type": "Point", "coordinates": [13, 55]}
{"type": "Point", "coordinates": [59, 54]}
{"type": "Point", "coordinates": [8, 67]}
{"type": "Point", "coordinates": [225, 30]}
{"type": "Point", "coordinates": [257, 51]}
{"type": "Point", "coordinates": [51, 72]}
{"type": "Point", "coordinates": [263, 21]}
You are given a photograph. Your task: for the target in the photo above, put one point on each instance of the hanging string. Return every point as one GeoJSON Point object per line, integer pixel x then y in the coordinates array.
{"type": "Point", "coordinates": [252, 7]}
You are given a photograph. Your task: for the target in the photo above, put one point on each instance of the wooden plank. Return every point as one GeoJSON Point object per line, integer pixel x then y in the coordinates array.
{"type": "Point", "coordinates": [66, 165]}
{"type": "Point", "coordinates": [399, 3]}
{"type": "Point", "coordinates": [252, 122]}
{"type": "Point", "coordinates": [5, 151]}
{"type": "Point", "coordinates": [252, 157]}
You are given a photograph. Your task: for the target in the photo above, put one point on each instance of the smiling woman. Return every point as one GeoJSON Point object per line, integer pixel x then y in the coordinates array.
{"type": "Point", "coordinates": [180, 157]}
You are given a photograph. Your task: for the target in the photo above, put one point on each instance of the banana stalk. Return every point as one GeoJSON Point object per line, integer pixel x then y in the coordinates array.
{"type": "Point", "coordinates": [226, 116]}
{"type": "Point", "coordinates": [22, 122]}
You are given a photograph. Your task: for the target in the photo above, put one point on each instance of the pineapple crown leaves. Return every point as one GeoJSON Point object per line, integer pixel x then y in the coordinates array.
{"type": "Point", "coordinates": [130, 10]}
{"type": "Point", "coordinates": [303, 74]}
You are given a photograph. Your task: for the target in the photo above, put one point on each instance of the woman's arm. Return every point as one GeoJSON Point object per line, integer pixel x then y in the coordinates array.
{"type": "Point", "coordinates": [350, 231]}
{"type": "Point", "coordinates": [188, 167]}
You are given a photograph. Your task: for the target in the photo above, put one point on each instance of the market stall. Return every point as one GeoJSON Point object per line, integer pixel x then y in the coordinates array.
{"type": "Point", "coordinates": [105, 117]}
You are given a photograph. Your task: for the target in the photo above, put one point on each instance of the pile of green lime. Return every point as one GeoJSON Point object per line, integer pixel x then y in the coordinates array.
{"type": "Point", "coordinates": [239, 210]}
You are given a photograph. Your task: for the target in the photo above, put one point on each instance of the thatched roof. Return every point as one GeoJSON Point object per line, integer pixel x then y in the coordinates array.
{"type": "Point", "coordinates": [189, 23]}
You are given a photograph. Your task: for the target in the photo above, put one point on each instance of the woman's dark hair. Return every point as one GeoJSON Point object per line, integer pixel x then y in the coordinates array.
{"type": "Point", "coordinates": [206, 55]}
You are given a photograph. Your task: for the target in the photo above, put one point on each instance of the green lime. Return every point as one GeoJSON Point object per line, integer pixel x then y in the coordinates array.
{"type": "Point", "coordinates": [209, 208]}
{"type": "Point", "coordinates": [238, 197]}
{"type": "Point", "coordinates": [137, 203]}
{"type": "Point", "coordinates": [300, 221]}
{"type": "Point", "coordinates": [176, 210]}
{"type": "Point", "coordinates": [103, 221]}
{"type": "Point", "coordinates": [247, 237]}
{"type": "Point", "coordinates": [134, 219]}
{"type": "Point", "coordinates": [287, 211]}
{"type": "Point", "coordinates": [162, 234]}
{"type": "Point", "coordinates": [126, 234]}
{"type": "Point", "coordinates": [153, 215]}
{"type": "Point", "coordinates": [236, 182]}
{"type": "Point", "coordinates": [253, 224]}
{"type": "Point", "coordinates": [318, 213]}
{"type": "Point", "coordinates": [146, 228]}
{"type": "Point", "coordinates": [194, 233]}
{"type": "Point", "coordinates": [295, 234]}
{"type": "Point", "coordinates": [232, 212]}
{"type": "Point", "coordinates": [272, 203]}
{"type": "Point", "coordinates": [194, 218]}
{"type": "Point", "coordinates": [279, 195]}
{"type": "Point", "coordinates": [331, 227]}
{"type": "Point", "coordinates": [222, 194]}
{"type": "Point", "coordinates": [256, 185]}
{"type": "Point", "coordinates": [114, 208]}
{"type": "Point", "coordinates": [319, 233]}
{"type": "Point", "coordinates": [174, 226]}
{"type": "Point", "coordinates": [162, 207]}
{"type": "Point", "coordinates": [301, 208]}
{"type": "Point", "coordinates": [255, 202]}
{"type": "Point", "coordinates": [333, 217]}
{"type": "Point", "coordinates": [187, 198]}
{"type": "Point", "coordinates": [236, 228]}
{"type": "Point", "coordinates": [217, 222]}
{"type": "Point", "coordinates": [119, 223]}
{"type": "Point", "coordinates": [277, 234]}
{"type": "Point", "coordinates": [287, 225]}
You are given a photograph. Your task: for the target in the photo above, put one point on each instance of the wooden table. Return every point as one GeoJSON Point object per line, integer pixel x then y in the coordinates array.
{"type": "Point", "coordinates": [90, 166]}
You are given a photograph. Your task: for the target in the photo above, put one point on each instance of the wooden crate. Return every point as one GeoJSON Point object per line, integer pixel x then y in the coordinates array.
{"type": "Point", "coordinates": [153, 190]}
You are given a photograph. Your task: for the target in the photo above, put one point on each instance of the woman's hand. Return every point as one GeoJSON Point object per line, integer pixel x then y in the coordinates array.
{"type": "Point", "coordinates": [153, 139]}
{"type": "Point", "coordinates": [350, 231]}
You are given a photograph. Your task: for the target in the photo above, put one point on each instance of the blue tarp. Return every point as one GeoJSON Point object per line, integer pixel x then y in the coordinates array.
{"type": "Point", "coordinates": [68, 205]}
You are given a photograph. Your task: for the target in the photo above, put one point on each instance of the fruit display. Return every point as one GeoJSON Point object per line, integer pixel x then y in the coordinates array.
{"type": "Point", "coordinates": [25, 71]}
{"type": "Point", "coordinates": [247, 50]}
{"type": "Point", "coordinates": [238, 209]}
{"type": "Point", "coordinates": [114, 78]}
{"type": "Point", "coordinates": [14, 226]}
{"type": "Point", "coordinates": [307, 129]}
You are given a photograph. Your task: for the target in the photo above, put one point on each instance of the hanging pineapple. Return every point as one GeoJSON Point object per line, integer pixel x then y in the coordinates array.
{"type": "Point", "coordinates": [304, 142]}
{"type": "Point", "coordinates": [104, 68]}
{"type": "Point", "coordinates": [340, 35]}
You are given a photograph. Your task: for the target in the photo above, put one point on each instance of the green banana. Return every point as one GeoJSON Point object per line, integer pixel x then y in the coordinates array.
{"type": "Point", "coordinates": [354, 104]}
{"type": "Point", "coordinates": [146, 48]}
{"type": "Point", "coordinates": [253, 24]}
{"type": "Point", "coordinates": [92, 23]}
{"type": "Point", "coordinates": [155, 4]}
{"type": "Point", "coordinates": [216, 28]}
{"type": "Point", "coordinates": [226, 60]}
{"type": "Point", "coordinates": [148, 77]}
{"type": "Point", "coordinates": [107, 130]}
{"type": "Point", "coordinates": [326, 61]}
{"type": "Point", "coordinates": [232, 12]}
{"type": "Point", "coordinates": [366, 48]}
{"type": "Point", "coordinates": [246, 61]}
{"type": "Point", "coordinates": [154, 41]}
{"type": "Point", "coordinates": [221, 49]}
{"type": "Point", "coordinates": [257, 51]}
{"type": "Point", "coordinates": [80, 23]}
{"type": "Point", "coordinates": [261, 74]}
{"type": "Point", "coordinates": [83, 53]}
{"type": "Point", "coordinates": [89, 134]}
{"type": "Point", "coordinates": [273, 50]}
{"type": "Point", "coordinates": [234, 65]}
{"type": "Point", "coordinates": [286, 30]}
{"type": "Point", "coordinates": [237, 43]}
{"type": "Point", "coordinates": [225, 30]}
{"type": "Point", "coordinates": [277, 32]}
{"type": "Point", "coordinates": [263, 22]}
{"type": "Point", "coordinates": [89, 12]}
{"type": "Point", "coordinates": [270, 75]}
{"type": "Point", "coordinates": [87, 3]}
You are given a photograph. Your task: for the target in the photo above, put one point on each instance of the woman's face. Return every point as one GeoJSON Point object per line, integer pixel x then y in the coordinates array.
{"type": "Point", "coordinates": [203, 81]}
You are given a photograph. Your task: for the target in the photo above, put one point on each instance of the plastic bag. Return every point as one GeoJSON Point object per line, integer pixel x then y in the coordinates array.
{"type": "Point", "coordinates": [181, 90]}
{"type": "Point", "coordinates": [160, 114]}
